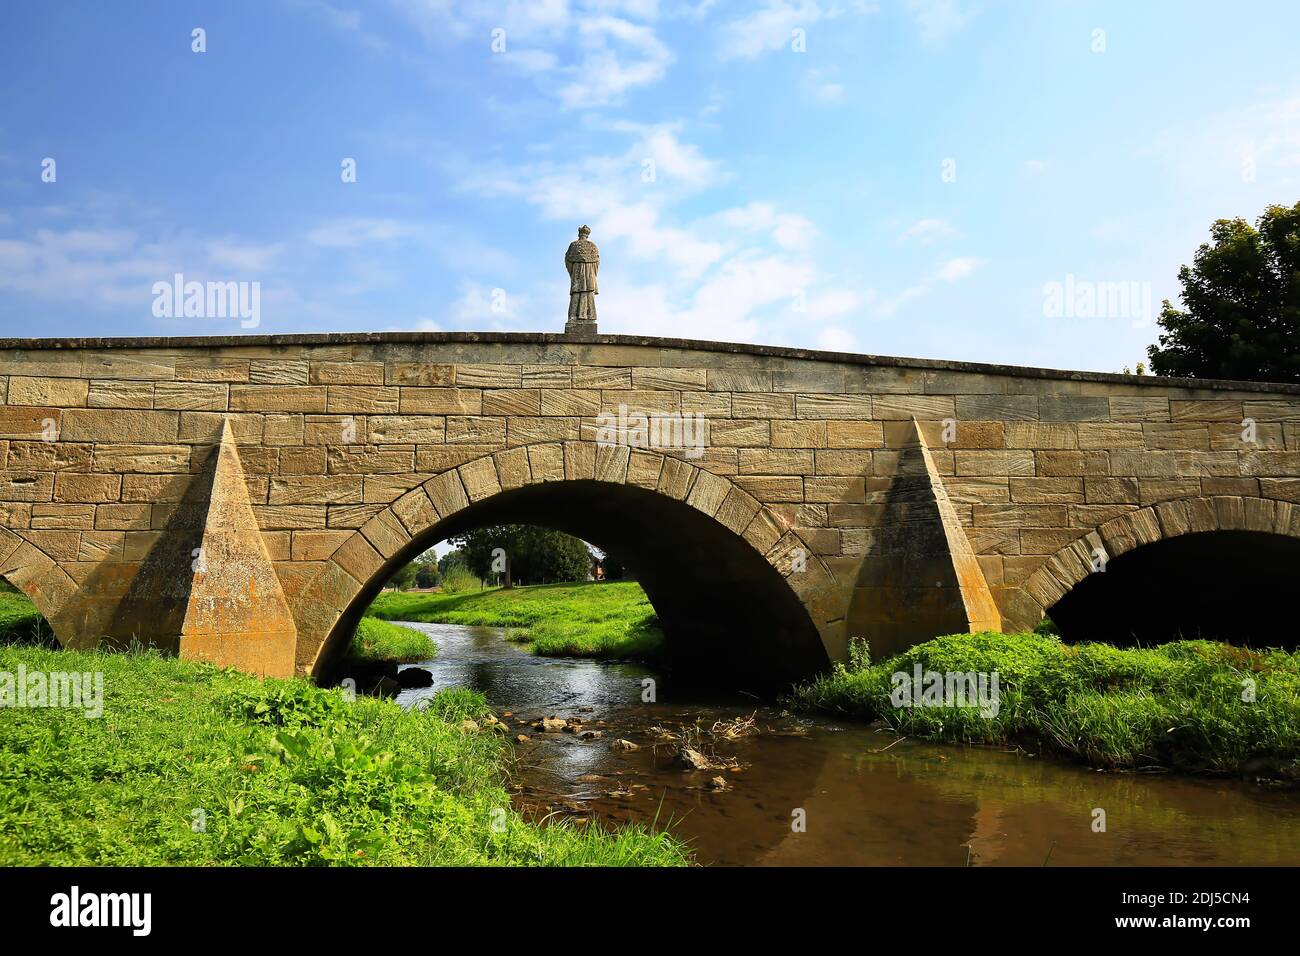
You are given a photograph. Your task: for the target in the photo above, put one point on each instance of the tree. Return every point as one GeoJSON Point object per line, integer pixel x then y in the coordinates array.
{"type": "Point", "coordinates": [427, 576]}
{"type": "Point", "coordinates": [536, 555]}
{"type": "Point", "coordinates": [1241, 298]}
{"type": "Point", "coordinates": [403, 577]}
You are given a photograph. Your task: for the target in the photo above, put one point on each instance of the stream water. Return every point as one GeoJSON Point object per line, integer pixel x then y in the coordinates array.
{"type": "Point", "coordinates": [812, 791]}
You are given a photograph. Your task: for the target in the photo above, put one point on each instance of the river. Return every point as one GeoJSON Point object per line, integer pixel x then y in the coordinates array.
{"type": "Point", "coordinates": [799, 790]}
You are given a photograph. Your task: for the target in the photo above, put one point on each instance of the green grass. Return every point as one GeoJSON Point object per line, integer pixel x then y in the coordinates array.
{"type": "Point", "coordinates": [603, 620]}
{"type": "Point", "coordinates": [1179, 705]}
{"type": "Point", "coordinates": [279, 773]}
{"type": "Point", "coordinates": [20, 622]}
{"type": "Point", "coordinates": [378, 640]}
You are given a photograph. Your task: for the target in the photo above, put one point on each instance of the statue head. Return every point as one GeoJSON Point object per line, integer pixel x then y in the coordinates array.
{"type": "Point", "coordinates": [584, 232]}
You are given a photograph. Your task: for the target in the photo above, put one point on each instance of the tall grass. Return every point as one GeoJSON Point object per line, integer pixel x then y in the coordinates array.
{"type": "Point", "coordinates": [192, 765]}
{"type": "Point", "coordinates": [1187, 705]}
{"type": "Point", "coordinates": [377, 640]}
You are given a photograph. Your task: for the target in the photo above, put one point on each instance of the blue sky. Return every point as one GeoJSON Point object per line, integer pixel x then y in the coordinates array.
{"type": "Point", "coordinates": [903, 177]}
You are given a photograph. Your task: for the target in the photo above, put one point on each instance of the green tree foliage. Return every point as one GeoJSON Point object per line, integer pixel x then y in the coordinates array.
{"type": "Point", "coordinates": [537, 555]}
{"type": "Point", "coordinates": [403, 577]}
{"type": "Point", "coordinates": [1241, 297]}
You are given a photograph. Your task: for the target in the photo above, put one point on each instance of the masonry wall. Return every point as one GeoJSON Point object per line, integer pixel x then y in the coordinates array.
{"type": "Point", "coordinates": [98, 444]}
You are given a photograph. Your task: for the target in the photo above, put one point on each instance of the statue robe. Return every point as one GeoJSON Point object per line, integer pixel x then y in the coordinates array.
{"type": "Point", "coordinates": [583, 262]}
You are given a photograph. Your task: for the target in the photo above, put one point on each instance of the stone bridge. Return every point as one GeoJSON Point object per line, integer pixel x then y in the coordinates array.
{"type": "Point", "coordinates": [242, 499]}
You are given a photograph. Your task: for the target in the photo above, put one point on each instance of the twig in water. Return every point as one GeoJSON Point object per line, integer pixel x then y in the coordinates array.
{"type": "Point", "coordinates": [881, 750]}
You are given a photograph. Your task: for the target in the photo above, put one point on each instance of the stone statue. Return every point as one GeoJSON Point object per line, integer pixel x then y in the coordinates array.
{"type": "Point", "coordinates": [583, 262]}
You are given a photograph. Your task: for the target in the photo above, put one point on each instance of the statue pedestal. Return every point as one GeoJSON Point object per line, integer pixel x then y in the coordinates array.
{"type": "Point", "coordinates": [580, 330]}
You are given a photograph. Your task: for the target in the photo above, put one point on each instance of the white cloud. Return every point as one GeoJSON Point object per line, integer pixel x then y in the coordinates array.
{"type": "Point", "coordinates": [351, 233]}
{"type": "Point", "coordinates": [741, 273]}
{"type": "Point", "coordinates": [820, 85]}
{"type": "Point", "coordinates": [672, 157]}
{"type": "Point", "coordinates": [244, 256]}
{"type": "Point", "coordinates": [938, 19]}
{"type": "Point", "coordinates": [835, 338]}
{"type": "Point", "coordinates": [955, 269]}
{"type": "Point", "coordinates": [927, 231]}
{"type": "Point", "coordinates": [769, 28]}
{"type": "Point", "coordinates": [345, 21]}
{"type": "Point", "coordinates": [588, 54]}
{"type": "Point", "coordinates": [479, 307]}
{"type": "Point", "coordinates": [788, 230]}
{"type": "Point", "coordinates": [619, 56]}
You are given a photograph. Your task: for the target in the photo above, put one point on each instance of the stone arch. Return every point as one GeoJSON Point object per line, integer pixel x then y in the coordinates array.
{"type": "Point", "coordinates": [1162, 521]}
{"type": "Point", "coordinates": [328, 607]}
{"type": "Point", "coordinates": [46, 584]}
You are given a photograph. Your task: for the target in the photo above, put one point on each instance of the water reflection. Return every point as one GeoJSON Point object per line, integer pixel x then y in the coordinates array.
{"type": "Point", "coordinates": [910, 804]}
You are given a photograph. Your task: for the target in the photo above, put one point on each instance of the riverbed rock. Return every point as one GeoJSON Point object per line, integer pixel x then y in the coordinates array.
{"type": "Point", "coordinates": [552, 725]}
{"type": "Point", "coordinates": [719, 783]}
{"type": "Point", "coordinates": [591, 735]}
{"type": "Point", "coordinates": [622, 744]}
{"type": "Point", "coordinates": [522, 738]}
{"type": "Point", "coordinates": [386, 687]}
{"type": "Point", "coordinates": [690, 759]}
{"type": "Point", "coordinates": [414, 677]}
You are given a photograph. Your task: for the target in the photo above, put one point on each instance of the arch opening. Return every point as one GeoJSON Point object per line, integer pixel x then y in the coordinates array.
{"type": "Point", "coordinates": [1228, 586]}
{"type": "Point", "coordinates": [21, 621]}
{"type": "Point", "coordinates": [731, 622]}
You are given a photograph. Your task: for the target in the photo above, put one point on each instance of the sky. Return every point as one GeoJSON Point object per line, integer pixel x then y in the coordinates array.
{"type": "Point", "coordinates": [1008, 182]}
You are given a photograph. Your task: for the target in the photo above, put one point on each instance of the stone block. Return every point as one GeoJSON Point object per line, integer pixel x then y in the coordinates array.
{"type": "Point", "coordinates": [762, 405]}
{"type": "Point", "coordinates": [349, 373]}
{"type": "Point", "coordinates": [278, 398]}
{"type": "Point", "coordinates": [489, 376]}
{"type": "Point", "coordinates": [512, 468]}
{"type": "Point", "coordinates": [440, 401]}
{"type": "Point", "coordinates": [112, 393]}
{"type": "Point", "coordinates": [546, 461]}
{"type": "Point", "coordinates": [277, 372]}
{"type": "Point", "coordinates": [669, 378]}
{"type": "Point", "coordinates": [775, 461]}
{"type": "Point", "coordinates": [60, 392]}
{"type": "Point", "coordinates": [419, 373]}
{"type": "Point", "coordinates": [832, 406]}
{"type": "Point", "coordinates": [1073, 408]}
{"type": "Point", "coordinates": [144, 459]}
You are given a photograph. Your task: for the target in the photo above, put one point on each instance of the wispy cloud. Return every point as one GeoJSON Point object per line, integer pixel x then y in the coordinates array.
{"type": "Point", "coordinates": [927, 231]}
{"type": "Point", "coordinates": [938, 19]}
{"type": "Point", "coordinates": [771, 26]}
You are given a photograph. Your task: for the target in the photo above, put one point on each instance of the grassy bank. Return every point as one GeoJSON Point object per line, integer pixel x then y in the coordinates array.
{"type": "Point", "coordinates": [604, 620]}
{"type": "Point", "coordinates": [1179, 705]}
{"type": "Point", "coordinates": [192, 765]}
{"type": "Point", "coordinates": [379, 640]}
{"type": "Point", "coordinates": [20, 622]}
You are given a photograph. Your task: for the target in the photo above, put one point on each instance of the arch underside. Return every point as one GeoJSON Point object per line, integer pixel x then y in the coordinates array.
{"type": "Point", "coordinates": [1191, 567]}
{"type": "Point", "coordinates": [728, 616]}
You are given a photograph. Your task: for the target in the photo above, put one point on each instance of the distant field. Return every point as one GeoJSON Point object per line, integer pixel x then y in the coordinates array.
{"type": "Point", "coordinates": [595, 619]}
